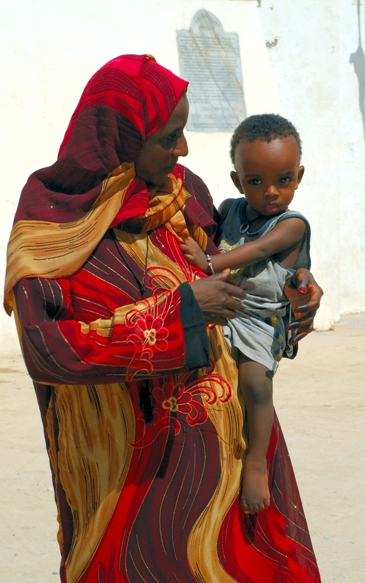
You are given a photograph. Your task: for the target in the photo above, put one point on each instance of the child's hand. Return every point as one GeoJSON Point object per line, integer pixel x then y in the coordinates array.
{"type": "Point", "coordinates": [194, 254]}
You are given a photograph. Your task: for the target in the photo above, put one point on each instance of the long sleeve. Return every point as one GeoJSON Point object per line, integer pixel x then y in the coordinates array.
{"type": "Point", "coordinates": [93, 327]}
{"type": "Point", "coordinates": [153, 337]}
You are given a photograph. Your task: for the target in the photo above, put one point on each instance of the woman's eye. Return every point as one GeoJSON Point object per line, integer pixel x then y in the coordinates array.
{"type": "Point", "coordinates": [168, 141]}
{"type": "Point", "coordinates": [171, 138]}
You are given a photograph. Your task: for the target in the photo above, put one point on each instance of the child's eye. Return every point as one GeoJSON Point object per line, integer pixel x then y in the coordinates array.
{"type": "Point", "coordinates": [255, 181]}
{"type": "Point", "coordinates": [285, 179]}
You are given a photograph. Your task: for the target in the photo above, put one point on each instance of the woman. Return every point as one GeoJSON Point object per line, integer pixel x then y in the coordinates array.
{"type": "Point", "coordinates": [138, 395]}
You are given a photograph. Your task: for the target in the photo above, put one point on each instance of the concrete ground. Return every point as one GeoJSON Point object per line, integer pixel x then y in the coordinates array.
{"type": "Point", "coordinates": [320, 401]}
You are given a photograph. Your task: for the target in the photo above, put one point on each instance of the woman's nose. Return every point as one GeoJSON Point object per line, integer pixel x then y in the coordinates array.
{"type": "Point", "coordinates": [181, 148]}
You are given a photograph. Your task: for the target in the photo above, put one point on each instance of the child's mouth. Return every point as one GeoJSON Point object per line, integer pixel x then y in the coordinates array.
{"type": "Point", "coordinates": [271, 208]}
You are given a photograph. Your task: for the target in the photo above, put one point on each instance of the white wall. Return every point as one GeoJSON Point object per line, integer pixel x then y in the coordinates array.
{"type": "Point", "coordinates": [319, 91]}
{"type": "Point", "coordinates": [50, 49]}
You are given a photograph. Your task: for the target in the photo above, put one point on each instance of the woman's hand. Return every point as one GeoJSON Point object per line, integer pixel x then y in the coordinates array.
{"type": "Point", "coordinates": [217, 299]}
{"type": "Point", "coordinates": [194, 254]}
{"type": "Point", "coordinates": [304, 295]}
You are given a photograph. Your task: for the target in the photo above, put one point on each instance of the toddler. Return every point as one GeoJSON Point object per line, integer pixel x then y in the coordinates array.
{"type": "Point", "coordinates": [262, 242]}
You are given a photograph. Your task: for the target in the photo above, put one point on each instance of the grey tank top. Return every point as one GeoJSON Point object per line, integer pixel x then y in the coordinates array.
{"type": "Point", "coordinates": [263, 282]}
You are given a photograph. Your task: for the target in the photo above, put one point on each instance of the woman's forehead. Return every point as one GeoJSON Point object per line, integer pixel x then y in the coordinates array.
{"type": "Point", "coordinates": [176, 121]}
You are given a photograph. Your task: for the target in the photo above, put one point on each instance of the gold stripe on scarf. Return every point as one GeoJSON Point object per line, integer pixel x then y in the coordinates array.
{"type": "Point", "coordinates": [53, 250]}
{"type": "Point", "coordinates": [165, 202]}
{"type": "Point", "coordinates": [167, 207]}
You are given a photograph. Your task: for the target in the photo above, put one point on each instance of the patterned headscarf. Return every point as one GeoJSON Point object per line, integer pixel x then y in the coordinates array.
{"type": "Point", "coordinates": [126, 101]}
{"type": "Point", "coordinates": [65, 209]}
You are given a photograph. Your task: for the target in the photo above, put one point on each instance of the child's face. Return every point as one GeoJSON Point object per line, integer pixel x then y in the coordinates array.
{"type": "Point", "coordinates": [268, 173]}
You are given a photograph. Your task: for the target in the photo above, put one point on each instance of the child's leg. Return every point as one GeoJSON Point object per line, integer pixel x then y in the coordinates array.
{"type": "Point", "coordinates": [256, 387]}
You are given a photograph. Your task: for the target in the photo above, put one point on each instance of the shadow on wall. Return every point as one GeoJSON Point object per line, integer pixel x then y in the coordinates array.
{"type": "Point", "coordinates": [358, 60]}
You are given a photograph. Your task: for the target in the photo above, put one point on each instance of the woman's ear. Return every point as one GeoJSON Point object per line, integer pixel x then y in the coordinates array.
{"type": "Point", "coordinates": [236, 181]}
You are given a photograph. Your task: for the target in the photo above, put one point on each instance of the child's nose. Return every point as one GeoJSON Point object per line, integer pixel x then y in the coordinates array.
{"type": "Point", "coordinates": [271, 190]}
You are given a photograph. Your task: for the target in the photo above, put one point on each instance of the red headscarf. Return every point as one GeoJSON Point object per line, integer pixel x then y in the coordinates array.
{"type": "Point", "coordinates": [65, 209]}
{"type": "Point", "coordinates": [126, 101]}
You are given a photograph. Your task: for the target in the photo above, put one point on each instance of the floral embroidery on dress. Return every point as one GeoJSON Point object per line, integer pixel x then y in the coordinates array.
{"type": "Point", "coordinates": [182, 396]}
{"type": "Point", "coordinates": [148, 332]}
{"type": "Point", "coordinates": [154, 333]}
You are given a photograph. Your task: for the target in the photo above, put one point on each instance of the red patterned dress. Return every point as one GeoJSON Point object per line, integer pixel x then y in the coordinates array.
{"type": "Point", "coordinates": [138, 396]}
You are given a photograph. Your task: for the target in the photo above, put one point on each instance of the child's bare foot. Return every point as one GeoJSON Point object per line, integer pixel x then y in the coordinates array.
{"type": "Point", "coordinates": [255, 494]}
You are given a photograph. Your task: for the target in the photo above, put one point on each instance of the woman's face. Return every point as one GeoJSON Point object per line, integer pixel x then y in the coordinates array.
{"type": "Point", "coordinates": [161, 151]}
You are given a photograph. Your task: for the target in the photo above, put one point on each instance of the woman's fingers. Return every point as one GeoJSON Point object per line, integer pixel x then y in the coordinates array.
{"type": "Point", "coordinates": [304, 290]}
{"type": "Point", "coordinates": [218, 300]}
{"type": "Point", "coordinates": [300, 330]}
{"type": "Point", "coordinates": [304, 295]}
{"type": "Point", "coordinates": [302, 325]}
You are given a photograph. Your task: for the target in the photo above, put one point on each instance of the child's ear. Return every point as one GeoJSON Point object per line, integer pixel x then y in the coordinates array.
{"type": "Point", "coordinates": [300, 174]}
{"type": "Point", "coordinates": [236, 181]}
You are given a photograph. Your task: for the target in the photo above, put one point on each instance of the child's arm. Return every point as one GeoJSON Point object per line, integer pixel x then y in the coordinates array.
{"type": "Point", "coordinates": [285, 235]}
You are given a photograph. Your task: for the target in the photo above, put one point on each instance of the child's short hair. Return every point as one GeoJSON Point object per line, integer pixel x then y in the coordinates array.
{"type": "Point", "coordinates": [263, 126]}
